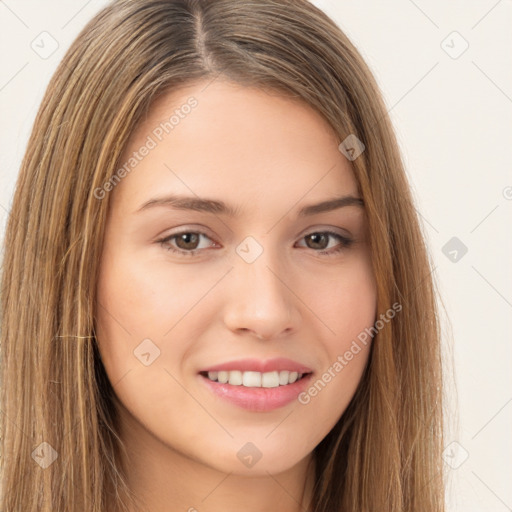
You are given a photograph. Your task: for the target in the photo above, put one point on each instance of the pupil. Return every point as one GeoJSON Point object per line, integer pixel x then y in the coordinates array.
{"type": "Point", "coordinates": [185, 237]}
{"type": "Point", "coordinates": [316, 236]}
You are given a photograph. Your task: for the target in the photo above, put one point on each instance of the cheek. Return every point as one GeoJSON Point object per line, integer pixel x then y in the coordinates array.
{"type": "Point", "coordinates": [141, 299]}
{"type": "Point", "coordinates": [134, 304]}
{"type": "Point", "coordinates": [140, 318]}
{"type": "Point", "coordinates": [349, 311]}
{"type": "Point", "coordinates": [144, 298]}
{"type": "Point", "coordinates": [345, 302]}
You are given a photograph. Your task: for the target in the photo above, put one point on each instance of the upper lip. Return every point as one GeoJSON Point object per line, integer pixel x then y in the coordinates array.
{"type": "Point", "coordinates": [259, 365]}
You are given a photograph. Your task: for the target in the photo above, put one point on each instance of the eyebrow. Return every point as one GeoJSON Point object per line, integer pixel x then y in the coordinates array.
{"type": "Point", "coordinates": [220, 207]}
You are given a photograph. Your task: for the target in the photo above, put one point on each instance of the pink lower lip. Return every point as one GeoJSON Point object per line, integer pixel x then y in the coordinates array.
{"type": "Point", "coordinates": [258, 399]}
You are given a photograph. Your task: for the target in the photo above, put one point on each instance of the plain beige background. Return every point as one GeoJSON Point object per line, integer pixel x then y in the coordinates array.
{"type": "Point", "coordinates": [444, 69]}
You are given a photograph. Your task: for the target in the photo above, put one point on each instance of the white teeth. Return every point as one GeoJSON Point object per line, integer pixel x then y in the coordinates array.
{"type": "Point", "coordinates": [235, 378]}
{"type": "Point", "coordinates": [255, 379]}
{"type": "Point", "coordinates": [283, 377]}
{"type": "Point", "coordinates": [222, 377]}
{"type": "Point", "coordinates": [252, 379]}
{"type": "Point", "coordinates": [270, 380]}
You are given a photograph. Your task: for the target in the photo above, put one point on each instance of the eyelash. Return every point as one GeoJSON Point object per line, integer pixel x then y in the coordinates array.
{"type": "Point", "coordinates": [345, 242]}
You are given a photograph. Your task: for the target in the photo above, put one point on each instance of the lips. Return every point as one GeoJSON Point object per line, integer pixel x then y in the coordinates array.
{"type": "Point", "coordinates": [257, 399]}
{"type": "Point", "coordinates": [257, 365]}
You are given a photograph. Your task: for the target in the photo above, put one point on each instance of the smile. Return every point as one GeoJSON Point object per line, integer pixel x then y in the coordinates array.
{"type": "Point", "coordinates": [256, 398]}
{"type": "Point", "coordinates": [254, 379]}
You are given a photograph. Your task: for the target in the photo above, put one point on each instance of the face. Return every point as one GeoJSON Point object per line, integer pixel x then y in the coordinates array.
{"type": "Point", "coordinates": [234, 280]}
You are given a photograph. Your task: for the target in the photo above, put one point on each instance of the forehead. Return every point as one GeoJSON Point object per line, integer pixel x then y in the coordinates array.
{"type": "Point", "coordinates": [223, 139]}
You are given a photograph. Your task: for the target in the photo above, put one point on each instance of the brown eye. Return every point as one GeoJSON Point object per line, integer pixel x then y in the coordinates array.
{"type": "Point", "coordinates": [187, 241]}
{"type": "Point", "coordinates": [319, 241]}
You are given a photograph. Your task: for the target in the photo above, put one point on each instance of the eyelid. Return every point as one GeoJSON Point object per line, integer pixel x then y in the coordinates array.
{"type": "Point", "coordinates": [205, 231]}
{"type": "Point", "coordinates": [328, 229]}
{"type": "Point", "coordinates": [198, 229]}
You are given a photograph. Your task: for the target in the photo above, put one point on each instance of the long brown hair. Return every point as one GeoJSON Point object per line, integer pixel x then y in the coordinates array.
{"type": "Point", "coordinates": [385, 452]}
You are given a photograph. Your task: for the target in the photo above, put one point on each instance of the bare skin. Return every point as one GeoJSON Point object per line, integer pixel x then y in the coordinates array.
{"type": "Point", "coordinates": [268, 156]}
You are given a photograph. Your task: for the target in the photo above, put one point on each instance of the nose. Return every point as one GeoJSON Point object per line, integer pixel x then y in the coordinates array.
{"type": "Point", "coordinates": [260, 300]}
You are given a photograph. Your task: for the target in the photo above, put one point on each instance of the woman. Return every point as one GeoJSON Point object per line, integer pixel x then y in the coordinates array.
{"type": "Point", "coordinates": [173, 338]}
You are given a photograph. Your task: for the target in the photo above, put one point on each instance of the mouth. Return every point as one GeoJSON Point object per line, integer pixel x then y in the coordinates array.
{"type": "Point", "coordinates": [252, 379]}
{"type": "Point", "coordinates": [257, 385]}
{"type": "Point", "coordinates": [257, 392]}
